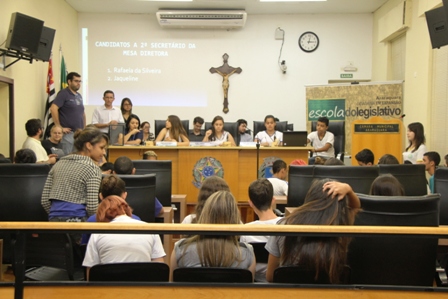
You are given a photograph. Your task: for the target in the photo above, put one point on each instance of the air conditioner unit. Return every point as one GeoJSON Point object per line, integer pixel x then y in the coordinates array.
{"type": "Point", "coordinates": [203, 19]}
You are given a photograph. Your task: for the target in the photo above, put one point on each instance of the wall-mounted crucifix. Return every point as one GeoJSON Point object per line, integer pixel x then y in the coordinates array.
{"type": "Point", "coordinates": [225, 71]}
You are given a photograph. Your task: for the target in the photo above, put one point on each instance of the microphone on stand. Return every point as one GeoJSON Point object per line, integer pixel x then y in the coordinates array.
{"type": "Point", "coordinates": [258, 156]}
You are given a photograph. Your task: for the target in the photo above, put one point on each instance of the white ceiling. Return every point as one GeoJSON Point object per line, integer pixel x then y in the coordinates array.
{"type": "Point", "coordinates": [251, 6]}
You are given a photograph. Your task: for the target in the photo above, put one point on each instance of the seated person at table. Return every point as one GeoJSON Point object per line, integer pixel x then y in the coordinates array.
{"type": "Point", "coordinates": [107, 168]}
{"type": "Point", "coordinates": [365, 157]}
{"type": "Point", "coordinates": [243, 133]}
{"type": "Point", "coordinates": [321, 140]}
{"type": "Point", "coordinates": [132, 134]}
{"type": "Point", "coordinates": [110, 185]}
{"type": "Point", "coordinates": [386, 185]}
{"type": "Point", "coordinates": [149, 155]}
{"type": "Point", "coordinates": [215, 251]}
{"type": "Point", "coordinates": [25, 155]}
{"type": "Point", "coordinates": [197, 135]}
{"type": "Point", "coordinates": [174, 132]}
{"type": "Point", "coordinates": [35, 131]}
{"type": "Point", "coordinates": [147, 135]}
{"type": "Point", "coordinates": [280, 172]}
{"type": "Point", "coordinates": [120, 248]}
{"type": "Point", "coordinates": [326, 203]}
{"type": "Point", "coordinates": [388, 159]}
{"type": "Point", "coordinates": [209, 186]}
{"type": "Point", "coordinates": [124, 165]}
{"type": "Point", "coordinates": [261, 198]}
{"type": "Point", "coordinates": [217, 134]}
{"type": "Point", "coordinates": [269, 137]}
{"type": "Point", "coordinates": [431, 161]}
{"type": "Point", "coordinates": [53, 144]}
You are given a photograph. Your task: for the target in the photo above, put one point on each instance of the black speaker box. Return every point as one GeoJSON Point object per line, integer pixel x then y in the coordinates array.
{"type": "Point", "coordinates": [437, 26]}
{"type": "Point", "coordinates": [24, 33]}
{"type": "Point", "coordinates": [45, 44]}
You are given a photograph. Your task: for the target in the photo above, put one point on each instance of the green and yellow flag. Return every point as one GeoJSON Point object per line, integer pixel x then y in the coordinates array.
{"type": "Point", "coordinates": [63, 74]}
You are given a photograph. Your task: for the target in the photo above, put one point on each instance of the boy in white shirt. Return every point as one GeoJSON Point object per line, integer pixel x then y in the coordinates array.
{"type": "Point", "coordinates": [278, 180]}
{"type": "Point", "coordinates": [321, 140]}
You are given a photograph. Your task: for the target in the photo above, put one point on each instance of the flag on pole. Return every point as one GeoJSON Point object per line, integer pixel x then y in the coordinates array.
{"type": "Point", "coordinates": [51, 94]}
{"type": "Point", "coordinates": [63, 73]}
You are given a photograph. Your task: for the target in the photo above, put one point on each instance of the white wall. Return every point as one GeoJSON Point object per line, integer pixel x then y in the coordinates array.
{"type": "Point", "coordinates": [261, 88]}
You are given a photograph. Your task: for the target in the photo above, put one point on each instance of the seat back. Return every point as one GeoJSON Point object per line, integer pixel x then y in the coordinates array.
{"type": "Point", "coordinates": [299, 274]}
{"type": "Point", "coordinates": [206, 274]}
{"type": "Point", "coordinates": [359, 178]}
{"type": "Point", "coordinates": [290, 127]}
{"type": "Point", "coordinates": [338, 130]}
{"type": "Point", "coordinates": [231, 127]}
{"type": "Point", "coordinates": [441, 187]}
{"type": "Point", "coordinates": [141, 189]}
{"type": "Point", "coordinates": [299, 182]}
{"type": "Point", "coordinates": [411, 176]}
{"type": "Point", "coordinates": [163, 172]}
{"type": "Point", "coordinates": [392, 260]}
{"type": "Point", "coordinates": [160, 124]}
{"type": "Point", "coordinates": [261, 254]}
{"type": "Point", "coordinates": [130, 272]}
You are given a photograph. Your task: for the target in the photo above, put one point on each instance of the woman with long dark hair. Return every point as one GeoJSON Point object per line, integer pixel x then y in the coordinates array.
{"type": "Point", "coordinates": [416, 148]}
{"type": "Point", "coordinates": [217, 134]}
{"type": "Point", "coordinates": [174, 131]}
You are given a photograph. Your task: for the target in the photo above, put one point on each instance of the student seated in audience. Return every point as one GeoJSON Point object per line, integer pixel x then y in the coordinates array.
{"type": "Point", "coordinates": [279, 174]}
{"type": "Point", "coordinates": [174, 132]}
{"type": "Point", "coordinates": [269, 137]}
{"type": "Point", "coordinates": [147, 135]}
{"type": "Point", "coordinates": [332, 161]}
{"type": "Point", "coordinates": [217, 134]}
{"type": "Point", "coordinates": [416, 136]}
{"type": "Point", "coordinates": [365, 157]}
{"type": "Point", "coordinates": [35, 131]}
{"type": "Point", "coordinates": [446, 160]}
{"type": "Point", "coordinates": [124, 165]}
{"type": "Point", "coordinates": [431, 161]}
{"type": "Point", "coordinates": [318, 161]}
{"type": "Point", "coordinates": [386, 185]}
{"type": "Point", "coordinates": [388, 159]}
{"type": "Point", "coordinates": [132, 134]}
{"type": "Point", "coordinates": [243, 133]}
{"type": "Point", "coordinates": [215, 251]}
{"type": "Point", "coordinates": [120, 248]}
{"type": "Point", "coordinates": [321, 140]}
{"type": "Point", "coordinates": [3, 159]}
{"type": "Point", "coordinates": [53, 144]}
{"type": "Point", "coordinates": [107, 168]}
{"type": "Point", "coordinates": [149, 155]}
{"type": "Point", "coordinates": [261, 199]}
{"type": "Point", "coordinates": [110, 185]}
{"type": "Point", "coordinates": [25, 155]}
{"type": "Point", "coordinates": [326, 203]}
{"type": "Point", "coordinates": [209, 186]}
{"type": "Point", "coordinates": [197, 134]}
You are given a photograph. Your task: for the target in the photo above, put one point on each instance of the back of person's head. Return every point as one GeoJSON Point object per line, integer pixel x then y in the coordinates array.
{"type": "Point", "coordinates": [278, 165]}
{"type": "Point", "coordinates": [112, 185]}
{"type": "Point", "coordinates": [220, 208]}
{"type": "Point", "coordinates": [111, 207]}
{"type": "Point", "coordinates": [365, 157]}
{"type": "Point", "coordinates": [89, 135]}
{"type": "Point", "coordinates": [209, 186]}
{"type": "Point", "coordinates": [33, 126]}
{"type": "Point", "coordinates": [333, 161]}
{"type": "Point", "coordinates": [388, 159]}
{"type": "Point", "coordinates": [298, 162]}
{"type": "Point", "coordinates": [25, 155]}
{"type": "Point", "coordinates": [433, 157]}
{"type": "Point", "coordinates": [198, 120]}
{"type": "Point", "coordinates": [261, 193]}
{"type": "Point", "coordinates": [123, 165]}
{"type": "Point", "coordinates": [107, 167]}
{"type": "Point", "coordinates": [149, 155]}
{"type": "Point", "coordinates": [446, 160]}
{"type": "Point", "coordinates": [386, 185]}
{"type": "Point", "coordinates": [319, 161]}
{"type": "Point", "coordinates": [324, 120]}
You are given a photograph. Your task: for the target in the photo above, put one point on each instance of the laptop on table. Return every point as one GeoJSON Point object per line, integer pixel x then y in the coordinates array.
{"type": "Point", "coordinates": [295, 138]}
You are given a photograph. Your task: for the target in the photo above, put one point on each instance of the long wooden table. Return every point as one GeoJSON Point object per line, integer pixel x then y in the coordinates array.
{"type": "Point", "coordinates": [239, 164]}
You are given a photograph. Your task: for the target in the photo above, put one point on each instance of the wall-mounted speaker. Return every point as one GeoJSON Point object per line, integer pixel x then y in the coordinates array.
{"type": "Point", "coordinates": [24, 33]}
{"type": "Point", "coordinates": [45, 44]}
{"type": "Point", "coordinates": [437, 26]}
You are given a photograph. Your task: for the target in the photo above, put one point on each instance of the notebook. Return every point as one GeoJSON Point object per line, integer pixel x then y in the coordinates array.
{"type": "Point", "coordinates": [295, 138]}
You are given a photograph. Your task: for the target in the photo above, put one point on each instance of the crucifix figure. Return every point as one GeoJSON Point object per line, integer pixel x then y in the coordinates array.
{"type": "Point", "coordinates": [225, 71]}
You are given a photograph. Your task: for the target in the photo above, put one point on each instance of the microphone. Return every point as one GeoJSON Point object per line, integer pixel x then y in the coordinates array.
{"type": "Point", "coordinates": [402, 116]}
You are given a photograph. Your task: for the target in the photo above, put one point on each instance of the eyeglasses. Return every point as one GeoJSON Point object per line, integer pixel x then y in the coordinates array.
{"type": "Point", "coordinates": [77, 81]}
{"type": "Point", "coordinates": [127, 104]}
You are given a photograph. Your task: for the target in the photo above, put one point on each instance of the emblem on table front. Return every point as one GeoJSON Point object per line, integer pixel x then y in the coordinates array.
{"type": "Point", "coordinates": [204, 168]}
{"type": "Point", "coordinates": [265, 170]}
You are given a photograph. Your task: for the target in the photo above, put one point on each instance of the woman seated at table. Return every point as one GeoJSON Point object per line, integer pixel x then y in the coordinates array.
{"type": "Point", "coordinates": [217, 134]}
{"type": "Point", "coordinates": [174, 132]}
{"type": "Point", "coordinates": [147, 135]}
{"type": "Point", "coordinates": [326, 203]}
{"type": "Point", "coordinates": [269, 137]}
{"type": "Point", "coordinates": [120, 248]}
{"type": "Point", "coordinates": [53, 144]}
{"type": "Point", "coordinates": [215, 251]}
{"type": "Point", "coordinates": [132, 134]}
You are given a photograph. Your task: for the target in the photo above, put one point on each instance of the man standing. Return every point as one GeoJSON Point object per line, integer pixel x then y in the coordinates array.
{"type": "Point", "coordinates": [67, 110]}
{"type": "Point", "coordinates": [197, 135]}
{"type": "Point", "coordinates": [35, 131]}
{"type": "Point", "coordinates": [106, 115]}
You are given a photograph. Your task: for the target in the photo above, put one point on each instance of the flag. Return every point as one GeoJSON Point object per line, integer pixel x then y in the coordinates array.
{"type": "Point", "coordinates": [51, 94]}
{"type": "Point", "coordinates": [63, 74]}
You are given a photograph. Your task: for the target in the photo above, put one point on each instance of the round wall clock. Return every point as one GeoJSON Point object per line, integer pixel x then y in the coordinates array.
{"type": "Point", "coordinates": [308, 41]}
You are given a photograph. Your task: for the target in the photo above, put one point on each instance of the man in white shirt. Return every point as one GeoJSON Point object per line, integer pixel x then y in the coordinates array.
{"type": "Point", "coordinates": [35, 131]}
{"type": "Point", "coordinates": [278, 180]}
{"type": "Point", "coordinates": [107, 115]}
{"type": "Point", "coordinates": [321, 140]}
{"type": "Point", "coordinates": [261, 199]}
